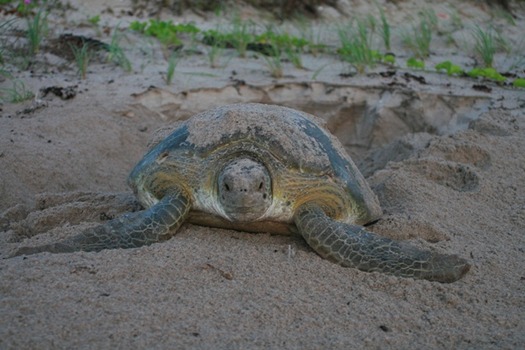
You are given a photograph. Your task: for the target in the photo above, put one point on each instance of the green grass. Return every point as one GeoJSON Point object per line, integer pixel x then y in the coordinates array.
{"type": "Point", "coordinates": [213, 53]}
{"type": "Point", "coordinates": [283, 43]}
{"type": "Point", "coordinates": [216, 44]}
{"type": "Point", "coordinates": [36, 31]}
{"type": "Point", "coordinates": [313, 37]}
{"type": "Point", "coordinates": [165, 31]}
{"type": "Point", "coordinates": [449, 68]}
{"type": "Point", "coordinates": [294, 57]}
{"type": "Point", "coordinates": [389, 59]}
{"type": "Point", "coordinates": [519, 82]}
{"type": "Point", "coordinates": [385, 30]}
{"type": "Point", "coordinates": [216, 56]}
{"type": "Point", "coordinates": [484, 45]}
{"type": "Point", "coordinates": [271, 42]}
{"type": "Point", "coordinates": [273, 62]}
{"type": "Point", "coordinates": [489, 42]}
{"type": "Point", "coordinates": [419, 38]}
{"type": "Point", "coordinates": [5, 27]}
{"type": "Point", "coordinates": [356, 45]}
{"type": "Point", "coordinates": [16, 93]}
{"type": "Point", "coordinates": [429, 16]}
{"type": "Point", "coordinates": [172, 64]}
{"type": "Point", "coordinates": [201, 74]}
{"type": "Point", "coordinates": [22, 8]}
{"type": "Point", "coordinates": [148, 52]}
{"type": "Point", "coordinates": [415, 63]}
{"type": "Point", "coordinates": [241, 35]}
{"type": "Point", "coordinates": [238, 37]}
{"type": "Point", "coordinates": [116, 53]}
{"type": "Point", "coordinates": [94, 20]}
{"type": "Point", "coordinates": [275, 45]}
{"type": "Point", "coordinates": [318, 71]}
{"type": "Point", "coordinates": [281, 40]}
{"type": "Point", "coordinates": [500, 12]}
{"type": "Point", "coordinates": [487, 73]}
{"type": "Point", "coordinates": [82, 58]}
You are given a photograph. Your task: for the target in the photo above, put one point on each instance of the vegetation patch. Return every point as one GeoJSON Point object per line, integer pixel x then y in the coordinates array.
{"type": "Point", "coordinates": [364, 43]}
{"type": "Point", "coordinates": [167, 32]}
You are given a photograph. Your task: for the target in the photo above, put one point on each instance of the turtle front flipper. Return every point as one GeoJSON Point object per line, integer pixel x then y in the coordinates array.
{"type": "Point", "coordinates": [353, 246]}
{"type": "Point", "coordinates": [127, 231]}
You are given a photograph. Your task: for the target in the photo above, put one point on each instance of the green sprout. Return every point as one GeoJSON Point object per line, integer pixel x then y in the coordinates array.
{"type": "Point", "coordinates": [278, 43]}
{"type": "Point", "coordinates": [389, 59]}
{"type": "Point", "coordinates": [419, 41]}
{"type": "Point", "coordinates": [519, 82]}
{"type": "Point", "coordinates": [488, 73]}
{"type": "Point", "coordinates": [485, 46]}
{"type": "Point", "coordinates": [356, 45]}
{"type": "Point", "coordinates": [82, 57]}
{"type": "Point", "coordinates": [172, 64]}
{"type": "Point", "coordinates": [318, 71]}
{"type": "Point", "coordinates": [94, 20]}
{"type": "Point", "coordinates": [310, 36]}
{"type": "Point", "coordinates": [116, 53]}
{"type": "Point", "coordinates": [413, 62]}
{"type": "Point", "coordinates": [167, 32]}
{"type": "Point", "coordinates": [5, 27]}
{"type": "Point", "coordinates": [240, 35]}
{"type": "Point", "coordinates": [213, 53]}
{"type": "Point", "coordinates": [238, 38]}
{"type": "Point", "coordinates": [36, 30]}
{"type": "Point", "coordinates": [273, 62]}
{"type": "Point", "coordinates": [449, 67]}
{"type": "Point", "coordinates": [385, 29]}
{"type": "Point", "coordinates": [16, 93]}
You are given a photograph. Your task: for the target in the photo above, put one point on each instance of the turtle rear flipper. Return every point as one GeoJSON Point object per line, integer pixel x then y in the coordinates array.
{"type": "Point", "coordinates": [128, 231]}
{"type": "Point", "coordinates": [353, 246]}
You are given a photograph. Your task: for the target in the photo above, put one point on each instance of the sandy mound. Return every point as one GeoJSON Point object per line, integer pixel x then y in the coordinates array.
{"type": "Point", "coordinates": [447, 162]}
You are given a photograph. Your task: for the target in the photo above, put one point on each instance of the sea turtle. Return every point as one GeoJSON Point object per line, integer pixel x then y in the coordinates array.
{"type": "Point", "coordinates": [256, 167]}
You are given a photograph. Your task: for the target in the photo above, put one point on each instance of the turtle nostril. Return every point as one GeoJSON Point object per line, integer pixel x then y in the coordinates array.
{"type": "Point", "coordinates": [226, 187]}
{"type": "Point", "coordinates": [261, 185]}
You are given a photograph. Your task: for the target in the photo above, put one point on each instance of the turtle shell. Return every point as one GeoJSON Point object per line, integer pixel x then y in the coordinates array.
{"type": "Point", "coordinates": [293, 145]}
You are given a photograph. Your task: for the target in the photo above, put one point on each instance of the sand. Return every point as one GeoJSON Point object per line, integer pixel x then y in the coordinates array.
{"type": "Point", "coordinates": [446, 160]}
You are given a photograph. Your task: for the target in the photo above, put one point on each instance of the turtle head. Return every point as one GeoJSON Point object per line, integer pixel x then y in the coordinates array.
{"type": "Point", "coordinates": [245, 189]}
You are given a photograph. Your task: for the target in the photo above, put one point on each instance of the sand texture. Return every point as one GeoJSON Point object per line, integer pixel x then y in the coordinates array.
{"type": "Point", "coordinates": [445, 158]}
